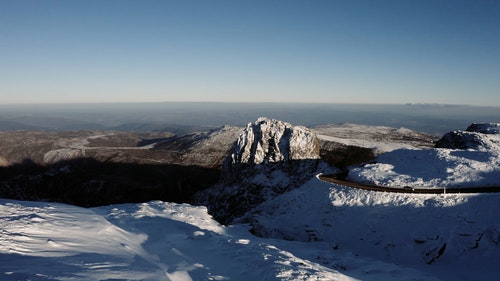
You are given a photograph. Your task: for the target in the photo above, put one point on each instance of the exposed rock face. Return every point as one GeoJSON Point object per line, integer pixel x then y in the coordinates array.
{"type": "Point", "coordinates": [269, 141]}
{"type": "Point", "coordinates": [479, 136]}
{"type": "Point", "coordinates": [270, 157]}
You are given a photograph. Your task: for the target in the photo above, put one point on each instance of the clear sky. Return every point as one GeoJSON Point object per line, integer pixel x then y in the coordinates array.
{"type": "Point", "coordinates": [264, 51]}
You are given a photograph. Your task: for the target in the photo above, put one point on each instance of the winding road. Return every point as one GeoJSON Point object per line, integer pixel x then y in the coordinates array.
{"type": "Point", "coordinates": [340, 180]}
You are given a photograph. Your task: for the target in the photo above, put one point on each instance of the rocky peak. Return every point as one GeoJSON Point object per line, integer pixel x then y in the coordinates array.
{"type": "Point", "coordinates": [269, 158]}
{"type": "Point", "coordinates": [273, 141]}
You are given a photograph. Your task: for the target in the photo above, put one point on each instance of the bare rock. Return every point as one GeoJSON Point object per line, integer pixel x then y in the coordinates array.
{"type": "Point", "coordinates": [268, 141]}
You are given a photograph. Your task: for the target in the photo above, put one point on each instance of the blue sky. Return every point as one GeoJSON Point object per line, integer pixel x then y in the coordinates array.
{"type": "Point", "coordinates": [262, 51]}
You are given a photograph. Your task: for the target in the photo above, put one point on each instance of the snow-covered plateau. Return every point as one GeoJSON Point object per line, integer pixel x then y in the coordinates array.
{"type": "Point", "coordinates": [314, 231]}
{"type": "Point", "coordinates": [468, 158]}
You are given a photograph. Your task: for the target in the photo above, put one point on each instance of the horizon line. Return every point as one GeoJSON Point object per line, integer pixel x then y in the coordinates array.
{"type": "Point", "coordinates": [236, 102]}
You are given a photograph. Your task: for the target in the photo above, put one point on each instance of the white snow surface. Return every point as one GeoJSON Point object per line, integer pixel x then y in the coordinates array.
{"type": "Point", "coordinates": [431, 168]}
{"type": "Point", "coordinates": [150, 241]}
{"type": "Point", "coordinates": [478, 166]}
{"type": "Point", "coordinates": [339, 233]}
{"type": "Point", "coordinates": [389, 236]}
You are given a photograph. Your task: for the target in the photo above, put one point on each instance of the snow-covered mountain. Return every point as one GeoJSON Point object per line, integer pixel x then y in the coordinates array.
{"type": "Point", "coordinates": [306, 229]}
{"type": "Point", "coordinates": [270, 157]}
{"type": "Point", "coordinates": [270, 143]}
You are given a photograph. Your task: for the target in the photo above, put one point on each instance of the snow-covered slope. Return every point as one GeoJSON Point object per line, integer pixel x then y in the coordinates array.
{"type": "Point", "coordinates": [161, 241]}
{"type": "Point", "coordinates": [449, 237]}
{"type": "Point", "coordinates": [339, 233]}
{"type": "Point", "coordinates": [463, 159]}
{"type": "Point", "coordinates": [150, 241]}
{"type": "Point", "coordinates": [431, 168]}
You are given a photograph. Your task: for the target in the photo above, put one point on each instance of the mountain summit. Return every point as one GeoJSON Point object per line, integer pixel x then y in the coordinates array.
{"type": "Point", "coordinates": [269, 158]}
{"type": "Point", "coordinates": [268, 142]}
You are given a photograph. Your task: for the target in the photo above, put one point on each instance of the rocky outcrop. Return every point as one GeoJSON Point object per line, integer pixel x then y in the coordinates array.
{"type": "Point", "coordinates": [484, 128]}
{"type": "Point", "coordinates": [268, 142]}
{"type": "Point", "coordinates": [478, 136]}
{"type": "Point", "coordinates": [270, 157]}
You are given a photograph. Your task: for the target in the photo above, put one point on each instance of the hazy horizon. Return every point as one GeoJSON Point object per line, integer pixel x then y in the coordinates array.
{"type": "Point", "coordinates": [431, 118]}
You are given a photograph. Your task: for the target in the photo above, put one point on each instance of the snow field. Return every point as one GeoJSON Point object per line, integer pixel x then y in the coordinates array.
{"type": "Point", "coordinates": [150, 241]}
{"type": "Point", "coordinates": [431, 168]}
{"type": "Point", "coordinates": [316, 232]}
{"type": "Point", "coordinates": [406, 232]}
